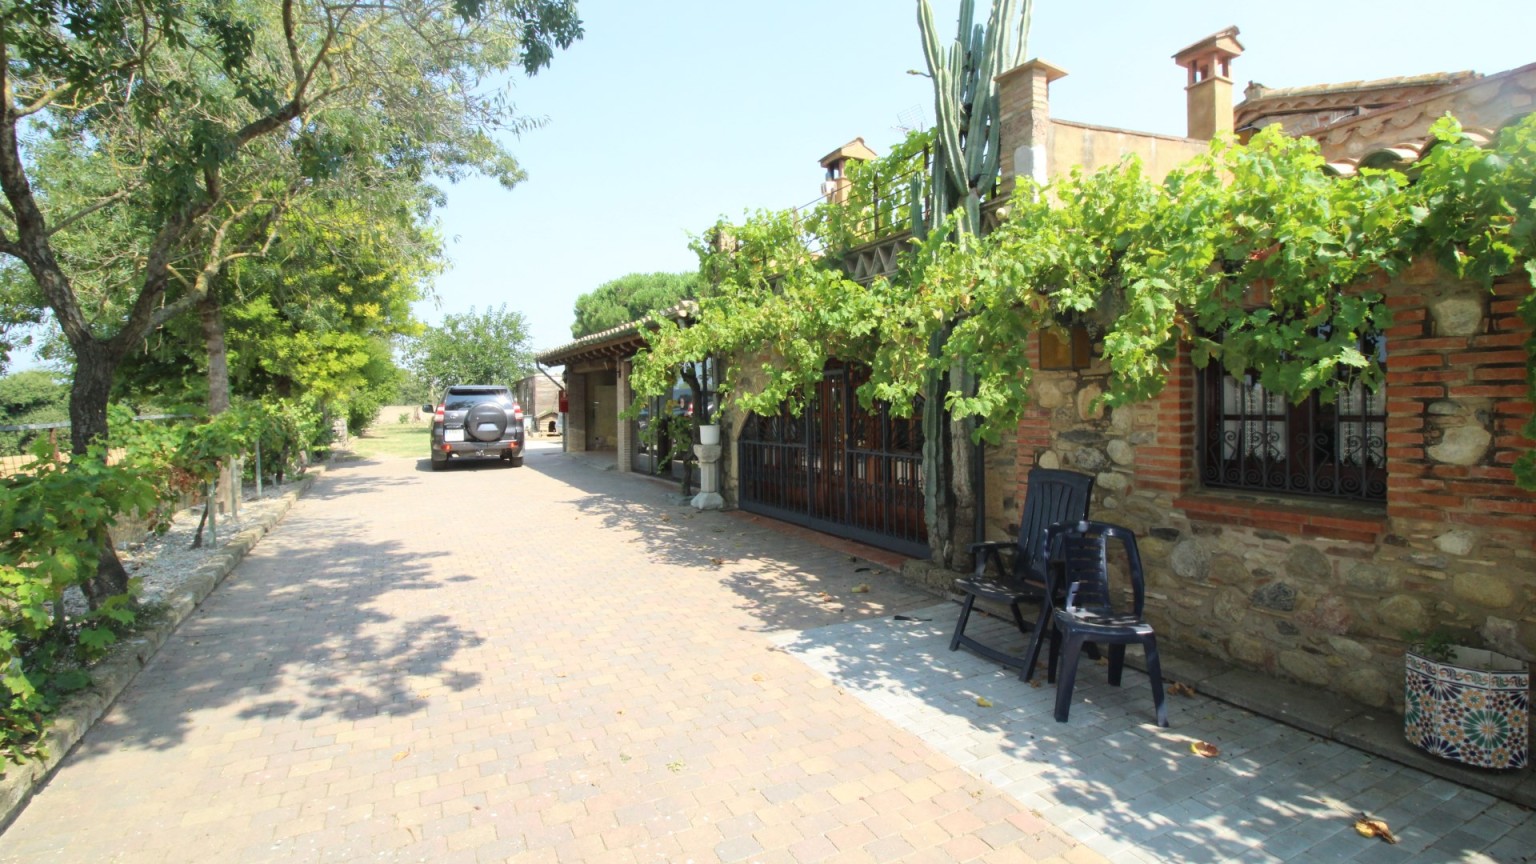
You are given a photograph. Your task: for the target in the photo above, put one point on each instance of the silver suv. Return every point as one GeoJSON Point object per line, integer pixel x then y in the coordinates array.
{"type": "Point", "coordinates": [475, 421]}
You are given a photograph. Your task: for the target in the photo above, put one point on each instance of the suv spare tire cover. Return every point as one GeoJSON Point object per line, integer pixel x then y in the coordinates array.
{"type": "Point", "coordinates": [487, 414]}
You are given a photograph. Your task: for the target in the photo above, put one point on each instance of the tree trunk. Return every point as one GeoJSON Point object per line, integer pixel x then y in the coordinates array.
{"type": "Point", "coordinates": [210, 313]}
{"type": "Point", "coordinates": [88, 397]}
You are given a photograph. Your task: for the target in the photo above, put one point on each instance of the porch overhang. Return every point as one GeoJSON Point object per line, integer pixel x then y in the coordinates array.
{"type": "Point", "coordinates": [615, 343]}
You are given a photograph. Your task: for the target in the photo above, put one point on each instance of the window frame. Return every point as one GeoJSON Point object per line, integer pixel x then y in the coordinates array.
{"type": "Point", "coordinates": [1317, 450]}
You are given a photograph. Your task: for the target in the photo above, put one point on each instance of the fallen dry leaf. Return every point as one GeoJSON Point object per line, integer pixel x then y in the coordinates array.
{"type": "Point", "coordinates": [1204, 749]}
{"type": "Point", "coordinates": [717, 561]}
{"type": "Point", "coordinates": [983, 701]}
{"type": "Point", "coordinates": [401, 755]}
{"type": "Point", "coordinates": [757, 677]}
{"type": "Point", "coordinates": [1035, 683]}
{"type": "Point", "coordinates": [862, 588]}
{"type": "Point", "coordinates": [1368, 827]}
{"type": "Point", "coordinates": [1179, 688]}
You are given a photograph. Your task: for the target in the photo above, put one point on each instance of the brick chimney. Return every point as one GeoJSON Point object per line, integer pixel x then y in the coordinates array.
{"type": "Point", "coordinates": [1209, 92]}
{"type": "Point", "coordinates": [835, 187]}
{"type": "Point", "coordinates": [1024, 116]}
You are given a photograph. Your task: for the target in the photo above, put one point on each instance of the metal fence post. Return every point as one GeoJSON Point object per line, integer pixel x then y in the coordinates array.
{"type": "Point", "coordinates": [236, 486]}
{"type": "Point", "coordinates": [213, 513]}
{"type": "Point", "coordinates": [258, 469]}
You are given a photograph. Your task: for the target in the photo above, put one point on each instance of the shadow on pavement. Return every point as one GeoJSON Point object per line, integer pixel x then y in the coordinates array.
{"type": "Point", "coordinates": [1133, 791]}
{"type": "Point", "coordinates": [1110, 777]}
{"type": "Point", "coordinates": [264, 631]}
{"type": "Point", "coordinates": [782, 583]}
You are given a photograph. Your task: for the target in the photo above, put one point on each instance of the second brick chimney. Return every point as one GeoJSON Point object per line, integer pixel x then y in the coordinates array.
{"type": "Point", "coordinates": [1209, 91]}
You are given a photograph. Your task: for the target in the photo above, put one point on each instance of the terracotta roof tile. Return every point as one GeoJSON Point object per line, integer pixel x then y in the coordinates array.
{"type": "Point", "coordinates": [1256, 92]}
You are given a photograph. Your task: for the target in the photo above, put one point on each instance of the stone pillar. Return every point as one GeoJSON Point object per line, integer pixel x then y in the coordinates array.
{"type": "Point", "coordinates": [709, 477]}
{"type": "Point", "coordinates": [576, 420]}
{"type": "Point", "coordinates": [625, 433]}
{"type": "Point", "coordinates": [1024, 117]}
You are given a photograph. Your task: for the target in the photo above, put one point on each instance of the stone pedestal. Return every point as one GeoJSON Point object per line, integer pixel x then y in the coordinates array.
{"type": "Point", "coordinates": [709, 477]}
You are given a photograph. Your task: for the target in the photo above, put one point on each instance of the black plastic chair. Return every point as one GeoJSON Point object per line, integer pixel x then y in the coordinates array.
{"type": "Point", "coordinates": [1088, 614]}
{"type": "Point", "coordinates": [1052, 496]}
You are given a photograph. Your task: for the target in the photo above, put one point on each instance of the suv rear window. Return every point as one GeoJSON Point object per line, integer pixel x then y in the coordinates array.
{"type": "Point", "coordinates": [464, 399]}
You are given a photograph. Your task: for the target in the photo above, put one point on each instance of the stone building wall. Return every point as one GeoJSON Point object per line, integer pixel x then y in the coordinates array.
{"type": "Point", "coordinates": [1318, 592]}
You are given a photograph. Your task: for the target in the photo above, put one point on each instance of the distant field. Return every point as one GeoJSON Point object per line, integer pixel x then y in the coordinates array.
{"type": "Point", "coordinates": [389, 436]}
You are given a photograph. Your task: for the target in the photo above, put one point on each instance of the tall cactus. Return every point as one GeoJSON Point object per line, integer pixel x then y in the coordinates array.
{"type": "Point", "coordinates": [966, 104]}
{"type": "Point", "coordinates": [964, 167]}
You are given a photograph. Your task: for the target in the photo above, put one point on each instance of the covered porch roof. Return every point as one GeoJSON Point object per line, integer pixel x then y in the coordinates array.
{"type": "Point", "coordinates": [614, 343]}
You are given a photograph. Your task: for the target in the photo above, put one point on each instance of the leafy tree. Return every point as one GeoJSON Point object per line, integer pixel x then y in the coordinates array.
{"type": "Point", "coordinates": [33, 396]}
{"type": "Point", "coordinates": [313, 317]}
{"type": "Point", "coordinates": [147, 127]}
{"type": "Point", "coordinates": [20, 312]}
{"type": "Point", "coordinates": [631, 298]}
{"type": "Point", "coordinates": [488, 348]}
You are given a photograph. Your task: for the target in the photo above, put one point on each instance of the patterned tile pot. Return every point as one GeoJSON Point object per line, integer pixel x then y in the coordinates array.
{"type": "Point", "coordinates": [1474, 709]}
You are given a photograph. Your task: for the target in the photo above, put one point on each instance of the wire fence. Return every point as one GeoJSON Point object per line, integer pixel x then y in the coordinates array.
{"type": "Point", "coordinates": [59, 443]}
{"type": "Point", "coordinates": [134, 527]}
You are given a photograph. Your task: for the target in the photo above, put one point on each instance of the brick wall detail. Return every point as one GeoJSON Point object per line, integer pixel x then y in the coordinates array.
{"type": "Point", "coordinates": [1324, 593]}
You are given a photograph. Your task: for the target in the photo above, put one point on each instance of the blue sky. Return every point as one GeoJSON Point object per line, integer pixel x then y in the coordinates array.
{"type": "Point", "coordinates": [672, 113]}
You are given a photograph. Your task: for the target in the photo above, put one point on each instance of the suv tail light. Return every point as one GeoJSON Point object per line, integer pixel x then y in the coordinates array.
{"type": "Point", "coordinates": [517, 412]}
{"type": "Point", "coordinates": [437, 416]}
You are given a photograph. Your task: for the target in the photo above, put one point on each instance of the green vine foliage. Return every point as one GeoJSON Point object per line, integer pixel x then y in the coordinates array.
{"type": "Point", "coordinates": [881, 198]}
{"type": "Point", "coordinates": [1252, 255]}
{"type": "Point", "coordinates": [1477, 216]}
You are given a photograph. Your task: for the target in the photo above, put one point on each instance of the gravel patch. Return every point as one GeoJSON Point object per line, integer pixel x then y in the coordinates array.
{"type": "Point", "coordinates": [164, 563]}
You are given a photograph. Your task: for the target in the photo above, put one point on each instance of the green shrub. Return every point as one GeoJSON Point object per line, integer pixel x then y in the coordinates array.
{"type": "Point", "coordinates": [53, 520]}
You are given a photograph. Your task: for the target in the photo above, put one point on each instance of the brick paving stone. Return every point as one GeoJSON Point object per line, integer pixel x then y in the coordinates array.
{"type": "Point", "coordinates": [552, 663]}
{"type": "Point", "coordinates": [559, 663]}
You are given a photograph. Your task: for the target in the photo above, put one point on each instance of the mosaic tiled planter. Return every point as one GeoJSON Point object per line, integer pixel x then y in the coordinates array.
{"type": "Point", "coordinates": [1475, 709]}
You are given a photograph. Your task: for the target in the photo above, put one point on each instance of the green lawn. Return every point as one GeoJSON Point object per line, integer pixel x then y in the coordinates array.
{"type": "Point", "coordinates": [388, 437]}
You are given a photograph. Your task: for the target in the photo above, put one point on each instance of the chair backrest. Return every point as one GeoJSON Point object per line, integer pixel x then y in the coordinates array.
{"type": "Point", "coordinates": [1082, 550]}
{"type": "Point", "coordinates": [1052, 496]}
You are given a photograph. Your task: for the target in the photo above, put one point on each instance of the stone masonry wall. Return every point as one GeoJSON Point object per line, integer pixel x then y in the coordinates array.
{"type": "Point", "coordinates": [1318, 592]}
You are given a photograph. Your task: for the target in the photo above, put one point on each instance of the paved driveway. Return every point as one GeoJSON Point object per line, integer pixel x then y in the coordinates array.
{"type": "Point", "coordinates": [547, 663]}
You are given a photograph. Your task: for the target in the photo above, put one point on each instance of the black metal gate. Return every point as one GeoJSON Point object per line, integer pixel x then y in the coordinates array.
{"type": "Point", "coordinates": [839, 468]}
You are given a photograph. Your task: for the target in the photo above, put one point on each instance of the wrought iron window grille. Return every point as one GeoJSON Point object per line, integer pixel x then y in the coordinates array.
{"type": "Point", "coordinates": [1255, 440]}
